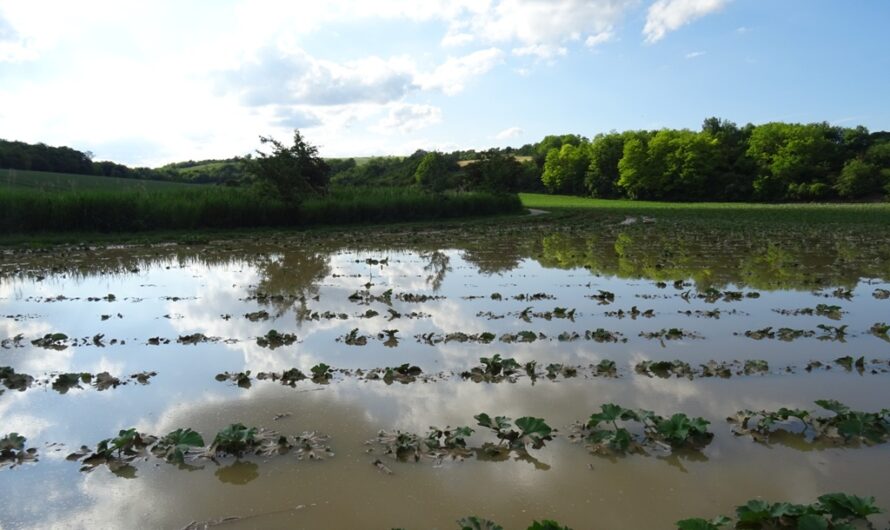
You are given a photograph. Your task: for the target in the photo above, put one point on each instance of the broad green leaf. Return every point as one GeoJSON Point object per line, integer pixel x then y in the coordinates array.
{"type": "Point", "coordinates": [834, 406]}
{"type": "Point", "coordinates": [811, 521]}
{"type": "Point", "coordinates": [842, 505]}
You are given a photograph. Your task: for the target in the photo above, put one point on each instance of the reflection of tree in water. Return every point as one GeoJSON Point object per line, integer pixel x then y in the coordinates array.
{"type": "Point", "coordinates": [438, 265]}
{"type": "Point", "coordinates": [495, 259]}
{"type": "Point", "coordinates": [802, 258]}
{"type": "Point", "coordinates": [291, 276]}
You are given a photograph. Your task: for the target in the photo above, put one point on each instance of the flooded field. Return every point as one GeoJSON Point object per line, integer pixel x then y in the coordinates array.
{"type": "Point", "coordinates": [321, 342]}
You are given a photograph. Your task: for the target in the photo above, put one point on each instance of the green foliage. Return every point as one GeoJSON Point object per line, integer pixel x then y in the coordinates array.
{"type": "Point", "coordinates": [235, 439]}
{"type": "Point", "coordinates": [844, 426]}
{"type": "Point", "coordinates": [477, 523]}
{"type": "Point", "coordinates": [289, 173]}
{"type": "Point", "coordinates": [602, 174]}
{"type": "Point", "coordinates": [860, 179]}
{"type": "Point", "coordinates": [547, 524]}
{"type": "Point", "coordinates": [703, 524]}
{"type": "Point", "coordinates": [832, 511]}
{"type": "Point", "coordinates": [197, 207]}
{"type": "Point", "coordinates": [321, 372]}
{"type": "Point", "coordinates": [605, 436]}
{"type": "Point", "coordinates": [532, 431]}
{"type": "Point", "coordinates": [433, 172]}
{"type": "Point", "coordinates": [496, 171]}
{"type": "Point", "coordinates": [175, 445]}
{"type": "Point", "coordinates": [565, 168]}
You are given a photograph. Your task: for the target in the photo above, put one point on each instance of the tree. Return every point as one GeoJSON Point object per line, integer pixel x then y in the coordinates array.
{"type": "Point", "coordinates": [291, 173]}
{"type": "Point", "coordinates": [564, 169]}
{"type": "Point", "coordinates": [494, 171]}
{"type": "Point", "coordinates": [602, 175]}
{"type": "Point", "coordinates": [634, 168]}
{"type": "Point", "coordinates": [432, 172]}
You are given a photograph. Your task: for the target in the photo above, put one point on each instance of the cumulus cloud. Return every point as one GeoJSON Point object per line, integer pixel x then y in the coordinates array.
{"type": "Point", "coordinates": [511, 132]}
{"type": "Point", "coordinates": [668, 15]}
{"type": "Point", "coordinates": [406, 117]}
{"type": "Point", "coordinates": [534, 23]}
{"type": "Point", "coordinates": [693, 55]}
{"type": "Point", "coordinates": [601, 37]}
{"type": "Point", "coordinates": [276, 76]}
{"type": "Point", "coordinates": [451, 76]}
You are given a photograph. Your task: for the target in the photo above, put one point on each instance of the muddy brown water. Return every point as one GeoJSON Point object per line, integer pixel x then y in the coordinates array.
{"type": "Point", "coordinates": [173, 291]}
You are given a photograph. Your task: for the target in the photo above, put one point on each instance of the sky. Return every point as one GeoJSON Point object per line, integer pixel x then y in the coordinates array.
{"type": "Point", "coordinates": [148, 83]}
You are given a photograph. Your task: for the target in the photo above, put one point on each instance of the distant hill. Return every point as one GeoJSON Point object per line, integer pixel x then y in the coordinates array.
{"type": "Point", "coordinates": [18, 178]}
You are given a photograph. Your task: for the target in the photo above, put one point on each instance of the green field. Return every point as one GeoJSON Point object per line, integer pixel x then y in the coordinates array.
{"type": "Point", "coordinates": [17, 178]}
{"type": "Point", "coordinates": [715, 211]}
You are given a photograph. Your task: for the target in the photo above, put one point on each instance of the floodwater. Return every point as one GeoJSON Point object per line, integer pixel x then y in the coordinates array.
{"type": "Point", "coordinates": [712, 286]}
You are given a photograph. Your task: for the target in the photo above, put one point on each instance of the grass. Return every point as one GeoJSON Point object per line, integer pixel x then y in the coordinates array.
{"type": "Point", "coordinates": [40, 180]}
{"type": "Point", "coordinates": [722, 212]}
{"type": "Point", "coordinates": [25, 211]}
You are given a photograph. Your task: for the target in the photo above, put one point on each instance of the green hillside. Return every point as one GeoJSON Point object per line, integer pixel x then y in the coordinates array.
{"type": "Point", "coordinates": [17, 178]}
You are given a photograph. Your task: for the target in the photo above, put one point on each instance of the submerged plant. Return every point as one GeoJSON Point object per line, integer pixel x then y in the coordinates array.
{"type": "Point", "coordinates": [831, 511]}
{"type": "Point", "coordinates": [321, 373]}
{"type": "Point", "coordinates": [532, 431]}
{"type": "Point", "coordinates": [844, 426]}
{"type": "Point", "coordinates": [273, 339]}
{"type": "Point", "coordinates": [176, 445]}
{"type": "Point", "coordinates": [241, 379]}
{"type": "Point", "coordinates": [493, 369]}
{"type": "Point", "coordinates": [605, 435]}
{"type": "Point", "coordinates": [13, 452]}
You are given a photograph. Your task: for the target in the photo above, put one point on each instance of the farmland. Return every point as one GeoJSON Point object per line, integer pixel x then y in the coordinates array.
{"type": "Point", "coordinates": [568, 362]}
{"type": "Point", "coordinates": [47, 181]}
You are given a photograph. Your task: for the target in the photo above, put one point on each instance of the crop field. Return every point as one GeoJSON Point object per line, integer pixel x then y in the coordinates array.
{"type": "Point", "coordinates": [17, 178]}
{"type": "Point", "coordinates": [656, 374]}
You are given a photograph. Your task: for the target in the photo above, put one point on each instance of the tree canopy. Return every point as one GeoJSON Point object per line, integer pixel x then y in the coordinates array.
{"type": "Point", "coordinates": [290, 172]}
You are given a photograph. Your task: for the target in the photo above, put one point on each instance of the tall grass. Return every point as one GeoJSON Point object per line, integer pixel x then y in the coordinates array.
{"type": "Point", "coordinates": [23, 211]}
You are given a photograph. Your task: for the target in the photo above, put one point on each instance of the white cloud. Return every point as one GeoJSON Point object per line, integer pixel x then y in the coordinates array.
{"type": "Point", "coordinates": [595, 40]}
{"type": "Point", "coordinates": [457, 39]}
{"type": "Point", "coordinates": [668, 15]}
{"type": "Point", "coordinates": [535, 23]}
{"type": "Point", "coordinates": [693, 55]}
{"type": "Point", "coordinates": [543, 51]}
{"type": "Point", "coordinates": [276, 76]}
{"type": "Point", "coordinates": [511, 132]}
{"type": "Point", "coordinates": [451, 76]}
{"type": "Point", "coordinates": [406, 117]}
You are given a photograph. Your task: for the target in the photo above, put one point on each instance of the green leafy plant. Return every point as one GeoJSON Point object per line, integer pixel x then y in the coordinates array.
{"type": "Point", "coordinates": [175, 445]}
{"type": "Point", "coordinates": [321, 373]}
{"type": "Point", "coordinates": [236, 439]}
{"type": "Point", "coordinates": [831, 511]}
{"type": "Point", "coordinates": [241, 379]}
{"type": "Point", "coordinates": [273, 339]}
{"type": "Point", "coordinates": [532, 431]}
{"type": "Point", "coordinates": [605, 435]}
{"type": "Point", "coordinates": [493, 369]}
{"type": "Point", "coordinates": [844, 426]}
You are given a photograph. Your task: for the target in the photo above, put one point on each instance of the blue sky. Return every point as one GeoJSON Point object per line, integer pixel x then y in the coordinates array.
{"type": "Point", "coordinates": [147, 83]}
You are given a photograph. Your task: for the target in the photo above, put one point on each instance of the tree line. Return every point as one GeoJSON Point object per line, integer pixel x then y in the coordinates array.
{"type": "Point", "coordinates": [41, 157]}
{"type": "Point", "coordinates": [770, 162]}
{"type": "Point", "coordinates": [721, 162]}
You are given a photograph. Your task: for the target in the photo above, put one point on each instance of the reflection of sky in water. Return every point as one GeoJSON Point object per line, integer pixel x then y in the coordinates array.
{"type": "Point", "coordinates": [184, 392]}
